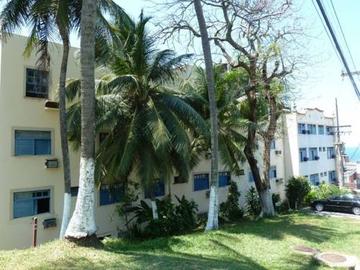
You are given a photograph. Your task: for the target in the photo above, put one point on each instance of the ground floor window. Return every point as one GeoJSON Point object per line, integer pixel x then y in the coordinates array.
{"type": "Point", "coordinates": [30, 203]}
{"type": "Point", "coordinates": [201, 181]}
{"type": "Point", "coordinates": [110, 194]}
{"type": "Point", "coordinates": [224, 179]}
{"type": "Point", "coordinates": [272, 172]}
{"type": "Point", "coordinates": [314, 179]}
{"type": "Point", "coordinates": [332, 177]}
{"type": "Point", "coordinates": [157, 189]}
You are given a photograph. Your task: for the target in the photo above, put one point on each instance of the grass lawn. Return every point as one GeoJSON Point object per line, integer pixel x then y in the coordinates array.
{"type": "Point", "coordinates": [265, 244]}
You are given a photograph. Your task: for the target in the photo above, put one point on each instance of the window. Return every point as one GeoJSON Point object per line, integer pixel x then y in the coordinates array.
{"type": "Point", "coordinates": [329, 130]}
{"type": "Point", "coordinates": [272, 172]}
{"type": "Point", "coordinates": [272, 145]}
{"type": "Point", "coordinates": [180, 180]}
{"type": "Point", "coordinates": [313, 153]}
{"type": "Point", "coordinates": [37, 84]}
{"type": "Point", "coordinates": [31, 203]}
{"type": "Point", "coordinates": [301, 128]}
{"type": "Point", "coordinates": [311, 129]}
{"type": "Point", "coordinates": [330, 152]}
{"type": "Point", "coordinates": [321, 129]}
{"type": "Point", "coordinates": [314, 179]}
{"type": "Point", "coordinates": [251, 177]}
{"type": "Point", "coordinates": [303, 154]}
{"type": "Point", "coordinates": [320, 149]}
{"type": "Point", "coordinates": [157, 190]}
{"type": "Point", "coordinates": [201, 181]}
{"type": "Point", "coordinates": [110, 194]}
{"type": "Point", "coordinates": [325, 173]}
{"type": "Point", "coordinates": [74, 191]}
{"type": "Point", "coordinates": [33, 143]}
{"type": "Point", "coordinates": [332, 177]}
{"type": "Point", "coordinates": [224, 179]}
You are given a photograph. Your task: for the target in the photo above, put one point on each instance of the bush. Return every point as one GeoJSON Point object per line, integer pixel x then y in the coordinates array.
{"type": "Point", "coordinates": [253, 202]}
{"type": "Point", "coordinates": [230, 210]}
{"type": "Point", "coordinates": [296, 191]}
{"type": "Point", "coordinates": [173, 219]}
{"type": "Point", "coordinates": [324, 191]}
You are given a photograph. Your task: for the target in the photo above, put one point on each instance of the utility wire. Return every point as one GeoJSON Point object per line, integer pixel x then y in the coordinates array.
{"type": "Point", "coordinates": [338, 48]}
{"type": "Point", "coordinates": [343, 35]}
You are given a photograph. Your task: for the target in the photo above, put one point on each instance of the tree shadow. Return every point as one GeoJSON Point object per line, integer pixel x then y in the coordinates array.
{"type": "Point", "coordinates": [278, 228]}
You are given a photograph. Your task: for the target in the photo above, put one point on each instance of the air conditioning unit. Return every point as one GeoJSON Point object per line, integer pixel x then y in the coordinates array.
{"type": "Point", "coordinates": [317, 157]}
{"type": "Point", "coordinates": [278, 152]}
{"type": "Point", "coordinates": [333, 156]}
{"type": "Point", "coordinates": [279, 180]}
{"type": "Point", "coordinates": [49, 223]}
{"type": "Point", "coordinates": [242, 172]}
{"type": "Point", "coordinates": [52, 163]}
{"type": "Point", "coordinates": [305, 159]}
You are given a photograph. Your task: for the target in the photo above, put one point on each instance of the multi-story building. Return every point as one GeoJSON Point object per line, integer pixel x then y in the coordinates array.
{"type": "Point", "coordinates": [309, 146]}
{"type": "Point", "coordinates": [31, 172]}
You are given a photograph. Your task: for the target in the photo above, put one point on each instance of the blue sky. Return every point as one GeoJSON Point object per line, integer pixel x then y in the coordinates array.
{"type": "Point", "coordinates": [320, 82]}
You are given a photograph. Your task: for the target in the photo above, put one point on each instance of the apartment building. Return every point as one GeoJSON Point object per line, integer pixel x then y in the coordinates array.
{"type": "Point", "coordinates": [31, 172]}
{"type": "Point", "coordinates": [309, 146]}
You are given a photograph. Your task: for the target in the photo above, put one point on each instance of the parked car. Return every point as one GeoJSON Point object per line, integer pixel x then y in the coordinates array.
{"type": "Point", "coordinates": [341, 203]}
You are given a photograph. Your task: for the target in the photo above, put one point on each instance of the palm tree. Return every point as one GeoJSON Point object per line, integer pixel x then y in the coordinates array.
{"type": "Point", "coordinates": [46, 18]}
{"type": "Point", "coordinates": [212, 222]}
{"type": "Point", "coordinates": [232, 125]}
{"type": "Point", "coordinates": [82, 223]}
{"type": "Point", "coordinates": [146, 121]}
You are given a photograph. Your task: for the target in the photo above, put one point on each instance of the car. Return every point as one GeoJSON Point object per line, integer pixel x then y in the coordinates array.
{"type": "Point", "coordinates": [340, 203]}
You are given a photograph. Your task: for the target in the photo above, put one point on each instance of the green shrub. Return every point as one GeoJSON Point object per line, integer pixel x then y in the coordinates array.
{"type": "Point", "coordinates": [253, 202]}
{"type": "Point", "coordinates": [324, 191]}
{"type": "Point", "coordinates": [230, 210]}
{"type": "Point", "coordinates": [296, 190]}
{"type": "Point", "coordinates": [173, 219]}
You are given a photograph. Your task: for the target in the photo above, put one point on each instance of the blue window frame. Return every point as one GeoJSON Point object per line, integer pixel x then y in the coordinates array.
{"type": "Point", "coordinates": [110, 194]}
{"type": "Point", "coordinates": [330, 152]}
{"type": "Point", "coordinates": [224, 179]}
{"type": "Point", "coordinates": [158, 189]}
{"type": "Point", "coordinates": [201, 181]}
{"type": "Point", "coordinates": [272, 145]}
{"type": "Point", "coordinates": [272, 172]}
{"type": "Point", "coordinates": [332, 177]}
{"type": "Point", "coordinates": [311, 129]}
{"type": "Point", "coordinates": [32, 143]}
{"type": "Point", "coordinates": [37, 84]}
{"type": "Point", "coordinates": [250, 177]}
{"type": "Point", "coordinates": [30, 203]}
{"type": "Point", "coordinates": [329, 130]}
{"type": "Point", "coordinates": [314, 179]}
{"type": "Point", "coordinates": [303, 154]}
{"type": "Point", "coordinates": [321, 130]}
{"type": "Point", "coordinates": [301, 128]}
{"type": "Point", "coordinates": [313, 153]}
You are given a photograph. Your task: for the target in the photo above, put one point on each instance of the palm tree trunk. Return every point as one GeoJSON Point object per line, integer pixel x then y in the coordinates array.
{"type": "Point", "coordinates": [212, 222]}
{"type": "Point", "coordinates": [82, 223]}
{"type": "Point", "coordinates": [63, 135]}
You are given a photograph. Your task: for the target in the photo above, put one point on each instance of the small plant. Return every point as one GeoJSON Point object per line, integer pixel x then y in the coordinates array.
{"type": "Point", "coordinates": [296, 191]}
{"type": "Point", "coordinates": [253, 202]}
{"type": "Point", "coordinates": [230, 210]}
{"type": "Point", "coordinates": [276, 201]}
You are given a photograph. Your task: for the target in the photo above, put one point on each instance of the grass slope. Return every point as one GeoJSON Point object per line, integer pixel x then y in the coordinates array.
{"type": "Point", "coordinates": [265, 244]}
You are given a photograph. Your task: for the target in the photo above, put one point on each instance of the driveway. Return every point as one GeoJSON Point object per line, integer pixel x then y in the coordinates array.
{"type": "Point", "coordinates": [336, 214]}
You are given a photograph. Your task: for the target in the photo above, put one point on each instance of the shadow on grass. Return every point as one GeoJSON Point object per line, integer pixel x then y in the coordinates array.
{"type": "Point", "coordinates": [278, 227]}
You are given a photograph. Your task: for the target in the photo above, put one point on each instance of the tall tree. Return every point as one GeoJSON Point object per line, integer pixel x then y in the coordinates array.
{"type": "Point", "coordinates": [82, 223]}
{"type": "Point", "coordinates": [213, 215]}
{"type": "Point", "coordinates": [146, 120]}
{"type": "Point", "coordinates": [46, 19]}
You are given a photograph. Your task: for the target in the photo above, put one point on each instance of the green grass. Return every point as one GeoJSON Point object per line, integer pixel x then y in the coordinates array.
{"type": "Point", "coordinates": [264, 244]}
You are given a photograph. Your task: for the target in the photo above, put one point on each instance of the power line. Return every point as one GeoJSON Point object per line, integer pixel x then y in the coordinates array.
{"type": "Point", "coordinates": [338, 48]}
{"type": "Point", "coordinates": [343, 35]}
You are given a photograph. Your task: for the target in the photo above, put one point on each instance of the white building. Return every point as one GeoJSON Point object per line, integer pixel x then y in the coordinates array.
{"type": "Point", "coordinates": [309, 146]}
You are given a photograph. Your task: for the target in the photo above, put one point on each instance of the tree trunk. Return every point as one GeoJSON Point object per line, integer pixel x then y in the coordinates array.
{"type": "Point", "coordinates": [63, 134]}
{"type": "Point", "coordinates": [82, 223]}
{"type": "Point", "coordinates": [212, 222]}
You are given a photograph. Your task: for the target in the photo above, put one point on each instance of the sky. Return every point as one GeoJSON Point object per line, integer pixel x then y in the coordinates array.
{"type": "Point", "coordinates": [320, 81]}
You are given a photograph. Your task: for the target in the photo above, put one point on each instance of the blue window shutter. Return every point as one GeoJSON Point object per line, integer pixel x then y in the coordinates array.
{"type": "Point", "coordinates": [110, 194]}
{"type": "Point", "coordinates": [201, 181]}
{"type": "Point", "coordinates": [224, 179]}
{"type": "Point", "coordinates": [32, 142]}
{"type": "Point", "coordinates": [158, 189]}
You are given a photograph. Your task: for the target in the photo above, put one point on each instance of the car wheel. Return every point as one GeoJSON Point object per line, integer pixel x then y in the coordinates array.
{"type": "Point", "coordinates": [356, 210]}
{"type": "Point", "coordinates": [319, 207]}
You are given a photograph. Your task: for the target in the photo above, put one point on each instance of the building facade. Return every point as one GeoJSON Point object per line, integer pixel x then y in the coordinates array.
{"type": "Point", "coordinates": [31, 170]}
{"type": "Point", "coordinates": [309, 146]}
